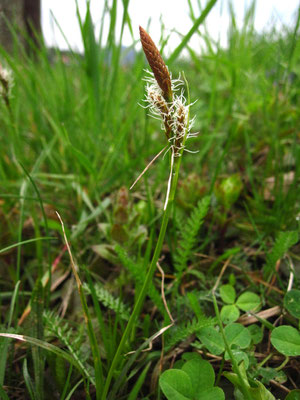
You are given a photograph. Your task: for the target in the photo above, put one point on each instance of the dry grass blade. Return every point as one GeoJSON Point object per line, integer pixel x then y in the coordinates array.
{"type": "Point", "coordinates": [157, 64]}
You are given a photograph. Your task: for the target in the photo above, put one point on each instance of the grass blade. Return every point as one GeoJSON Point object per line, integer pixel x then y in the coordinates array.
{"type": "Point", "coordinates": [190, 33]}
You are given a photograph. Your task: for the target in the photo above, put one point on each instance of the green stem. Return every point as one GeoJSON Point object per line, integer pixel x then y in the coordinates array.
{"type": "Point", "coordinates": [281, 366]}
{"type": "Point", "coordinates": [264, 361]}
{"type": "Point", "coordinates": [149, 276]}
{"type": "Point", "coordinates": [244, 387]}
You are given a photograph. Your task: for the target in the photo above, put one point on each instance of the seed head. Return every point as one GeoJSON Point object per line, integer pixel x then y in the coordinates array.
{"type": "Point", "coordinates": [157, 64]}
{"type": "Point", "coordinates": [160, 107]}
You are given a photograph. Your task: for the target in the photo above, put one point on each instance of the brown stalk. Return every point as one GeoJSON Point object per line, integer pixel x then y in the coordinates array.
{"type": "Point", "coordinates": [157, 65]}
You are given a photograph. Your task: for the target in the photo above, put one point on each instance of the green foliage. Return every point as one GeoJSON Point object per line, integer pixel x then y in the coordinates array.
{"type": "Point", "coordinates": [73, 342]}
{"type": "Point", "coordinates": [256, 333]}
{"type": "Point", "coordinates": [189, 235]}
{"type": "Point", "coordinates": [212, 339]}
{"type": "Point", "coordinates": [107, 299]}
{"type": "Point", "coordinates": [73, 138]}
{"type": "Point", "coordinates": [286, 340]}
{"type": "Point", "coordinates": [283, 242]}
{"type": "Point", "coordinates": [228, 191]}
{"type": "Point", "coordinates": [195, 381]}
{"type": "Point", "coordinates": [292, 302]}
{"type": "Point", "coordinates": [181, 332]}
{"type": "Point", "coordinates": [247, 301]}
{"type": "Point", "coordinates": [293, 395]}
{"type": "Point", "coordinates": [138, 273]}
{"type": "Point", "coordinates": [228, 294]}
{"type": "Point", "coordinates": [229, 313]}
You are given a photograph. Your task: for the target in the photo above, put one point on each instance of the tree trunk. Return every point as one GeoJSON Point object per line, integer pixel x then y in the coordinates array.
{"type": "Point", "coordinates": [32, 18]}
{"type": "Point", "coordinates": [25, 18]}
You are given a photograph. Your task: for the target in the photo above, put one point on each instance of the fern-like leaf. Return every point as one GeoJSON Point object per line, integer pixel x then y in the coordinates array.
{"type": "Point", "coordinates": [182, 332]}
{"type": "Point", "coordinates": [189, 234]}
{"type": "Point", "coordinates": [283, 242]}
{"type": "Point", "coordinates": [62, 331]}
{"type": "Point", "coordinates": [109, 301]}
{"type": "Point", "coordinates": [139, 275]}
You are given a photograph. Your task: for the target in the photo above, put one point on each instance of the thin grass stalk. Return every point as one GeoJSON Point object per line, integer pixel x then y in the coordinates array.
{"type": "Point", "coordinates": [40, 270]}
{"type": "Point", "coordinates": [98, 313]}
{"type": "Point", "coordinates": [91, 333]}
{"type": "Point", "coordinates": [190, 33]}
{"type": "Point", "coordinates": [294, 41]}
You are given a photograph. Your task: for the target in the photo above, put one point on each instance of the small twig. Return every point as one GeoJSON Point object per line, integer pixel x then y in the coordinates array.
{"type": "Point", "coordinates": [285, 389]}
{"type": "Point", "coordinates": [247, 319]}
{"type": "Point", "coordinates": [163, 292]}
{"type": "Point", "coordinates": [73, 265]}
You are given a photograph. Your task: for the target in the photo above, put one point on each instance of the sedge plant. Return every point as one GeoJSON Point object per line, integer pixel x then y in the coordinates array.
{"type": "Point", "coordinates": [173, 109]}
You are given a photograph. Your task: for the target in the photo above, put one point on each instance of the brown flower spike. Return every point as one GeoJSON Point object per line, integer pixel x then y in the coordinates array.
{"type": "Point", "coordinates": [157, 65]}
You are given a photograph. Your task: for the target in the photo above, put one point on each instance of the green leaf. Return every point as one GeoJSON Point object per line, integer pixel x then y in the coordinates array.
{"type": "Point", "coordinates": [45, 345]}
{"type": "Point", "coordinates": [260, 392]}
{"type": "Point", "coordinates": [227, 293]}
{"type": "Point", "coordinates": [3, 394]}
{"type": "Point", "coordinates": [266, 373]}
{"type": "Point", "coordinates": [214, 393]}
{"type": "Point", "coordinates": [201, 373]}
{"type": "Point", "coordinates": [292, 302]}
{"type": "Point", "coordinates": [238, 335]}
{"type": "Point", "coordinates": [249, 301]}
{"type": "Point", "coordinates": [256, 333]}
{"type": "Point", "coordinates": [239, 356]}
{"type": "Point", "coordinates": [212, 339]}
{"type": "Point", "coordinates": [229, 313]}
{"type": "Point", "coordinates": [135, 391]}
{"type": "Point", "coordinates": [195, 381]}
{"type": "Point", "coordinates": [186, 38]}
{"type": "Point", "coordinates": [228, 191]}
{"type": "Point", "coordinates": [293, 395]}
{"type": "Point", "coordinates": [4, 347]}
{"type": "Point", "coordinates": [286, 340]}
{"type": "Point", "coordinates": [176, 385]}
{"type": "Point", "coordinates": [257, 389]}
{"type": "Point", "coordinates": [83, 160]}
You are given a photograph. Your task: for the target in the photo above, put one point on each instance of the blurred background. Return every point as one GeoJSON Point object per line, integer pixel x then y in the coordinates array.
{"type": "Point", "coordinates": [173, 16]}
{"type": "Point", "coordinates": [59, 24]}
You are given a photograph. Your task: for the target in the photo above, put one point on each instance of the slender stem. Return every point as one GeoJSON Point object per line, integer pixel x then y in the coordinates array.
{"type": "Point", "coordinates": [220, 371]}
{"type": "Point", "coordinates": [262, 363]}
{"type": "Point", "coordinates": [140, 299]}
{"type": "Point", "coordinates": [281, 366]}
{"type": "Point", "coordinates": [149, 276]}
{"type": "Point", "coordinates": [244, 387]}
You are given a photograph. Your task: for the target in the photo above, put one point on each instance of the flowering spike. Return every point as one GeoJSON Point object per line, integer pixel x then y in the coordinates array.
{"type": "Point", "coordinates": [157, 65]}
{"type": "Point", "coordinates": [159, 103]}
